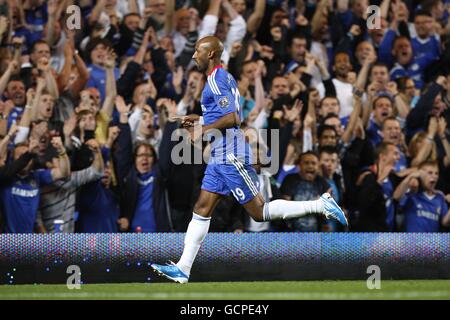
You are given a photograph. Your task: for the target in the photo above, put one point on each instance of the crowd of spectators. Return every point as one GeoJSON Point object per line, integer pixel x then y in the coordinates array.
{"type": "Point", "coordinates": [89, 104]}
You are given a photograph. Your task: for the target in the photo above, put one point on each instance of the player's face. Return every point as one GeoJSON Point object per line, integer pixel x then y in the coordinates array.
{"type": "Point", "coordinates": [309, 166]}
{"type": "Point", "coordinates": [200, 56]}
{"type": "Point", "coordinates": [429, 177]}
{"type": "Point", "coordinates": [392, 131]}
{"type": "Point", "coordinates": [144, 159]}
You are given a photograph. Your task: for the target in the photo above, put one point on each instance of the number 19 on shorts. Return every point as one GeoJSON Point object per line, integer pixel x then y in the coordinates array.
{"type": "Point", "coordinates": [238, 194]}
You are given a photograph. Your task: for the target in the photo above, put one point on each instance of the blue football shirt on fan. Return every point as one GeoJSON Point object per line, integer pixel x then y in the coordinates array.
{"type": "Point", "coordinates": [402, 162]}
{"type": "Point", "coordinates": [20, 201]}
{"type": "Point", "coordinates": [428, 49]}
{"type": "Point", "coordinates": [36, 18]}
{"type": "Point", "coordinates": [388, 191]}
{"type": "Point", "coordinates": [423, 213]}
{"type": "Point", "coordinates": [97, 79]}
{"type": "Point", "coordinates": [144, 216]}
{"type": "Point", "coordinates": [374, 133]}
{"type": "Point", "coordinates": [98, 209]}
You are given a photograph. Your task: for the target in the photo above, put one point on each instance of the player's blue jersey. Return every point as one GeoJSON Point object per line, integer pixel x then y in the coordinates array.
{"type": "Point", "coordinates": [220, 97]}
{"type": "Point", "coordinates": [424, 213]}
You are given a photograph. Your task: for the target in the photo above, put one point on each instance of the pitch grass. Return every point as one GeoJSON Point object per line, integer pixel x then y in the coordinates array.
{"type": "Point", "coordinates": [287, 290]}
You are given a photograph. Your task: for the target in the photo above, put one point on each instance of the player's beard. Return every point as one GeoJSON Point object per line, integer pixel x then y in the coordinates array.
{"type": "Point", "coordinates": [201, 67]}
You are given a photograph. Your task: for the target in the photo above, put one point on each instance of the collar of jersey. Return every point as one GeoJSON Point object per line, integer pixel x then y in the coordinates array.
{"type": "Point", "coordinates": [216, 67]}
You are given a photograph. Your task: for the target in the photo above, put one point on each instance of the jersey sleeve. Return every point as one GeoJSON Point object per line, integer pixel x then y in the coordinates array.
{"type": "Point", "coordinates": [225, 92]}
{"type": "Point", "coordinates": [405, 202]}
{"type": "Point", "coordinates": [44, 177]}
